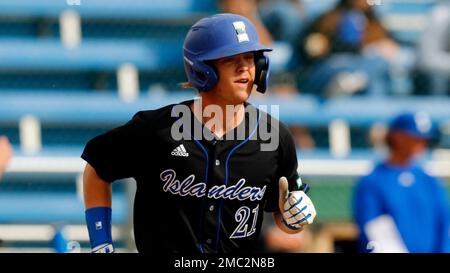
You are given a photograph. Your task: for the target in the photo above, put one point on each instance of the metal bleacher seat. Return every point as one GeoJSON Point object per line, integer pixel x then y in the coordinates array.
{"type": "Point", "coordinates": [161, 9]}
{"type": "Point", "coordinates": [147, 34]}
{"type": "Point", "coordinates": [97, 54]}
{"type": "Point", "coordinates": [84, 110]}
{"type": "Point", "coordinates": [43, 207]}
{"type": "Point", "coordinates": [365, 111]}
{"type": "Point", "coordinates": [404, 19]}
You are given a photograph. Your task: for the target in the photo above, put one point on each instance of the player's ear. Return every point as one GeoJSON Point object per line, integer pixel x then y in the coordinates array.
{"type": "Point", "coordinates": [203, 75]}
{"type": "Point", "coordinates": [261, 71]}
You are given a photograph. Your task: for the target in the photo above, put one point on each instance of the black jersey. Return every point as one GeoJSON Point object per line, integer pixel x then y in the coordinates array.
{"type": "Point", "coordinates": [195, 196]}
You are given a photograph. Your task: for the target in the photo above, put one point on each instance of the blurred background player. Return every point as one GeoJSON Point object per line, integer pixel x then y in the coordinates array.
{"type": "Point", "coordinates": [399, 207]}
{"type": "Point", "coordinates": [337, 52]}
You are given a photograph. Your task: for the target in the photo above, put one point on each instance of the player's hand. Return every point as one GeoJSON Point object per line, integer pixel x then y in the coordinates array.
{"type": "Point", "coordinates": [104, 248]}
{"type": "Point", "coordinates": [296, 207]}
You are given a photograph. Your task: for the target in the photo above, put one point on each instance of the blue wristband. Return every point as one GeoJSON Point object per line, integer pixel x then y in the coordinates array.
{"type": "Point", "coordinates": [98, 222]}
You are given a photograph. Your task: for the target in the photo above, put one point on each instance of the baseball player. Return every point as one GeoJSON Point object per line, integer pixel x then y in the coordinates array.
{"type": "Point", "coordinates": [398, 206]}
{"type": "Point", "coordinates": [208, 194]}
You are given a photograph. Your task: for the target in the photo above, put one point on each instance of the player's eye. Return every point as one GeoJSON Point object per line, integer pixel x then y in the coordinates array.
{"type": "Point", "coordinates": [227, 60]}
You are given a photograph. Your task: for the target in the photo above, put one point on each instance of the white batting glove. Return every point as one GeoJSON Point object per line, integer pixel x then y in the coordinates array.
{"type": "Point", "coordinates": [296, 207]}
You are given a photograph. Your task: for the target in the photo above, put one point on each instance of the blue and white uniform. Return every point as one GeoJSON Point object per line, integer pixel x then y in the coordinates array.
{"type": "Point", "coordinates": [402, 208]}
{"type": "Point", "coordinates": [416, 201]}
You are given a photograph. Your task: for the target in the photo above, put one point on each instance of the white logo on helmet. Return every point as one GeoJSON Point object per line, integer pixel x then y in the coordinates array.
{"type": "Point", "coordinates": [241, 33]}
{"type": "Point", "coordinates": [423, 122]}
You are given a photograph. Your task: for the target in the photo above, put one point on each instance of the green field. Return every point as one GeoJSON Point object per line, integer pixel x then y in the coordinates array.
{"type": "Point", "coordinates": [332, 197]}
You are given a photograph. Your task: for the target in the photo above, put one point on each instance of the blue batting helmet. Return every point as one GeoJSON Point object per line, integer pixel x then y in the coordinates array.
{"type": "Point", "coordinates": [220, 36]}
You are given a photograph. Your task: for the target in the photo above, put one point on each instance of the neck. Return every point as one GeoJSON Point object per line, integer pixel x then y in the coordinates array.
{"type": "Point", "coordinates": [218, 115]}
{"type": "Point", "coordinates": [399, 160]}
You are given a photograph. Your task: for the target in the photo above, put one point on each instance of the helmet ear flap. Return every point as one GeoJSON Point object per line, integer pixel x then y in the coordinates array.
{"type": "Point", "coordinates": [201, 75]}
{"type": "Point", "coordinates": [261, 71]}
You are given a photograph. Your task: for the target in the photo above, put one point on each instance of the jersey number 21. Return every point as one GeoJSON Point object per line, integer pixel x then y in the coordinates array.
{"type": "Point", "coordinates": [242, 216]}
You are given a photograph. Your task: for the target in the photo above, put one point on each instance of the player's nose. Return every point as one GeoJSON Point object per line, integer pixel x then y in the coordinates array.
{"type": "Point", "coordinates": [244, 64]}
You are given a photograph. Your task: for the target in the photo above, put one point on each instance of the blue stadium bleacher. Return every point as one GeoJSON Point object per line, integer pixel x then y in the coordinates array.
{"type": "Point", "coordinates": [148, 34]}
{"type": "Point", "coordinates": [93, 54]}
{"type": "Point", "coordinates": [26, 208]}
{"type": "Point", "coordinates": [76, 110]}
{"type": "Point", "coordinates": [155, 9]}
{"type": "Point", "coordinates": [405, 19]}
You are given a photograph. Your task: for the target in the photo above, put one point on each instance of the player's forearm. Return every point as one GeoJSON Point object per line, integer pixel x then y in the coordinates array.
{"type": "Point", "coordinates": [97, 192]}
{"type": "Point", "coordinates": [279, 222]}
{"type": "Point", "coordinates": [97, 200]}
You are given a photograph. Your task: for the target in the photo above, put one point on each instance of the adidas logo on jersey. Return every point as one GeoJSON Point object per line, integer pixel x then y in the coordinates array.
{"type": "Point", "coordinates": [180, 151]}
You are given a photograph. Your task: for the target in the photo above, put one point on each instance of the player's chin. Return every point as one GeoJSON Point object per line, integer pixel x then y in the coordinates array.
{"type": "Point", "coordinates": [242, 93]}
{"type": "Point", "coordinates": [240, 96]}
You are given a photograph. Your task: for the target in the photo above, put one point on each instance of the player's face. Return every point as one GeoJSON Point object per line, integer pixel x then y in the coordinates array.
{"type": "Point", "coordinates": [236, 76]}
{"type": "Point", "coordinates": [408, 146]}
